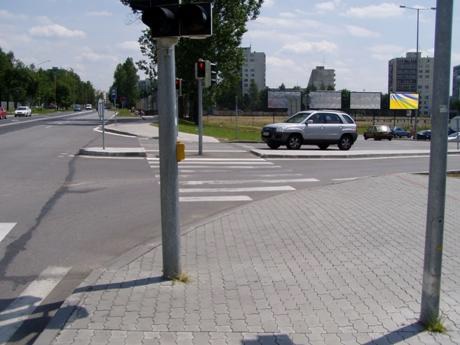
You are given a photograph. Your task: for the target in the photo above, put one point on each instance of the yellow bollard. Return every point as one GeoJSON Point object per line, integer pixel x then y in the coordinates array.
{"type": "Point", "coordinates": [180, 151]}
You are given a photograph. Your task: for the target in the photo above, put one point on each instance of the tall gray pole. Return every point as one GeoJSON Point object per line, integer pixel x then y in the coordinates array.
{"type": "Point", "coordinates": [438, 164]}
{"type": "Point", "coordinates": [167, 110]}
{"type": "Point", "coordinates": [416, 76]}
{"type": "Point", "coordinates": [200, 116]}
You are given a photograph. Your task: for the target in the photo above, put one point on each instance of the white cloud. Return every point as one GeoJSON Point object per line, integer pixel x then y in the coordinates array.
{"type": "Point", "coordinates": [280, 62]}
{"type": "Point", "coordinates": [269, 3]}
{"type": "Point", "coordinates": [11, 16]}
{"type": "Point", "coordinates": [386, 51]}
{"type": "Point", "coordinates": [306, 47]}
{"type": "Point", "coordinates": [359, 31]}
{"type": "Point", "coordinates": [327, 5]}
{"type": "Point", "coordinates": [90, 55]}
{"type": "Point", "coordinates": [129, 45]}
{"type": "Point", "coordinates": [99, 14]}
{"type": "Point", "coordinates": [383, 10]}
{"type": "Point", "coordinates": [55, 30]}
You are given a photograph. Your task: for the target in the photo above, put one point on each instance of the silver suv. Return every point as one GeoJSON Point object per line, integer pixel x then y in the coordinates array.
{"type": "Point", "coordinates": [315, 127]}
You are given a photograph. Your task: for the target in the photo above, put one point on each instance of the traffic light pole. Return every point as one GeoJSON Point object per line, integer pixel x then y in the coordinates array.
{"type": "Point", "coordinates": [167, 110]}
{"type": "Point", "coordinates": [200, 116]}
{"type": "Point", "coordinates": [431, 286]}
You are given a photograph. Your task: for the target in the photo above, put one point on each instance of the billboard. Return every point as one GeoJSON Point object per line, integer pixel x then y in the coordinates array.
{"type": "Point", "coordinates": [282, 99]}
{"type": "Point", "coordinates": [403, 101]}
{"type": "Point", "coordinates": [325, 100]}
{"type": "Point", "coordinates": [365, 100]}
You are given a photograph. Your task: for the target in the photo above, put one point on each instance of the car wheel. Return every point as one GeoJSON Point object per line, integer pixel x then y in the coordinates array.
{"type": "Point", "coordinates": [345, 142]}
{"type": "Point", "coordinates": [273, 145]}
{"type": "Point", "coordinates": [294, 142]}
{"type": "Point", "coordinates": [365, 137]}
{"type": "Point", "coordinates": [390, 139]}
{"type": "Point", "coordinates": [323, 146]}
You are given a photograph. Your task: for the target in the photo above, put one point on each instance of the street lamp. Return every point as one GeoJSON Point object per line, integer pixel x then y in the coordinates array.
{"type": "Point", "coordinates": [38, 87]}
{"type": "Point", "coordinates": [418, 9]}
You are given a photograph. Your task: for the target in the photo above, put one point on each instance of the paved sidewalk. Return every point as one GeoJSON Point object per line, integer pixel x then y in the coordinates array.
{"type": "Point", "coordinates": [340, 264]}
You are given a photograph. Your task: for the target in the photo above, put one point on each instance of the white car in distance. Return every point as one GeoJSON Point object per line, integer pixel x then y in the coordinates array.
{"type": "Point", "coordinates": [23, 111]}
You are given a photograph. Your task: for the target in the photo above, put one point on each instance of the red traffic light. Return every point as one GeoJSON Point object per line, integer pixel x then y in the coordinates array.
{"type": "Point", "coordinates": [200, 69]}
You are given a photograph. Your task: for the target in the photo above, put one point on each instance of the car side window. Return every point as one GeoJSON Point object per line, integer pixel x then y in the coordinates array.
{"type": "Point", "coordinates": [316, 118]}
{"type": "Point", "coordinates": [332, 118]}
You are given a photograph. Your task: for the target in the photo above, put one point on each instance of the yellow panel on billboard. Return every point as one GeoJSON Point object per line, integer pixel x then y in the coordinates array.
{"type": "Point", "coordinates": [403, 101]}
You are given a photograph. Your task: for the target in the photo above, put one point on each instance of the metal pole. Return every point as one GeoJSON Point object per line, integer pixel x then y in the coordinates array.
{"type": "Point", "coordinates": [416, 76]}
{"type": "Point", "coordinates": [167, 111]}
{"type": "Point", "coordinates": [200, 116]}
{"type": "Point", "coordinates": [458, 132]}
{"type": "Point", "coordinates": [103, 124]}
{"type": "Point", "coordinates": [438, 164]}
{"type": "Point", "coordinates": [236, 118]}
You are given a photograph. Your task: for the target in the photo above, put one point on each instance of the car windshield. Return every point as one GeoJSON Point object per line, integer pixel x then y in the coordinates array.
{"type": "Point", "coordinates": [298, 118]}
{"type": "Point", "coordinates": [383, 128]}
{"type": "Point", "coordinates": [22, 108]}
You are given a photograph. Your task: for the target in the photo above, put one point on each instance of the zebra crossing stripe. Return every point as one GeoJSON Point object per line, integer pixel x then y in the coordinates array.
{"type": "Point", "coordinates": [214, 198]}
{"type": "Point", "coordinates": [24, 305]}
{"type": "Point", "coordinates": [5, 228]}
{"type": "Point", "coordinates": [220, 182]}
{"type": "Point", "coordinates": [237, 190]}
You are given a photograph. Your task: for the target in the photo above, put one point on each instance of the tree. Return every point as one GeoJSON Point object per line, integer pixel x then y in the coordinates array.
{"type": "Point", "coordinates": [345, 100]}
{"type": "Point", "coordinates": [126, 83]}
{"type": "Point", "coordinates": [253, 95]}
{"type": "Point", "coordinates": [282, 87]}
{"type": "Point", "coordinates": [229, 25]}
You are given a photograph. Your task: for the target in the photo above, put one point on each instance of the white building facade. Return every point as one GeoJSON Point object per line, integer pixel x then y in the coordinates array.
{"type": "Point", "coordinates": [253, 69]}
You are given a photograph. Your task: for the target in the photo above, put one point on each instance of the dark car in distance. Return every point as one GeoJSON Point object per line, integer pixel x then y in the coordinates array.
{"type": "Point", "coordinates": [424, 135]}
{"type": "Point", "coordinates": [77, 107]}
{"type": "Point", "coordinates": [399, 132]}
{"type": "Point", "coordinates": [378, 132]}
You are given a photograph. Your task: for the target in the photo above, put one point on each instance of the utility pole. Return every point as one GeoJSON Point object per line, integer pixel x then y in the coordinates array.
{"type": "Point", "coordinates": [438, 164]}
{"type": "Point", "coordinates": [416, 111]}
{"type": "Point", "coordinates": [167, 111]}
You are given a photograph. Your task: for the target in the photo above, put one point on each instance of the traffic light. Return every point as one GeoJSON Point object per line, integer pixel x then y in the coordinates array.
{"type": "Point", "coordinates": [200, 69]}
{"type": "Point", "coordinates": [196, 20]}
{"type": "Point", "coordinates": [211, 74]}
{"type": "Point", "coordinates": [168, 18]}
{"type": "Point", "coordinates": [163, 21]}
{"type": "Point", "coordinates": [179, 86]}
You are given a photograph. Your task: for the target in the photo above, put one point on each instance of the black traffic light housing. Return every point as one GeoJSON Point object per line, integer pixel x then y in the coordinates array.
{"type": "Point", "coordinates": [200, 69]}
{"type": "Point", "coordinates": [169, 18]}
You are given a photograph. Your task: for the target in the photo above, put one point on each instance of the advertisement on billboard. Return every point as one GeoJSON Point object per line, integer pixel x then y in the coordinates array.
{"type": "Point", "coordinates": [289, 100]}
{"type": "Point", "coordinates": [365, 100]}
{"type": "Point", "coordinates": [325, 100]}
{"type": "Point", "coordinates": [403, 101]}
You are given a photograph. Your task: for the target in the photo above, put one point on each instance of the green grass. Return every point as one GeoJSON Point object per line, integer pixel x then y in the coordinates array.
{"type": "Point", "coordinates": [182, 278]}
{"type": "Point", "coordinates": [223, 131]}
{"type": "Point", "coordinates": [43, 111]}
{"type": "Point", "coordinates": [126, 113]}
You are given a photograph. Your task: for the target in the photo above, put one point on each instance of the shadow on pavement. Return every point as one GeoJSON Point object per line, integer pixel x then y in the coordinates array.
{"type": "Point", "coordinates": [121, 285]}
{"type": "Point", "coordinates": [23, 322]}
{"type": "Point", "coordinates": [280, 339]}
{"type": "Point", "coordinates": [399, 335]}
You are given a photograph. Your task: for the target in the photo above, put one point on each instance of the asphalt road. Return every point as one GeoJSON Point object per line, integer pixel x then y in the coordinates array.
{"type": "Point", "coordinates": [70, 214]}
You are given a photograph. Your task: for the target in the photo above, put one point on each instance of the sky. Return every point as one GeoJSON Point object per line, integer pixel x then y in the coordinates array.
{"type": "Point", "coordinates": [354, 37]}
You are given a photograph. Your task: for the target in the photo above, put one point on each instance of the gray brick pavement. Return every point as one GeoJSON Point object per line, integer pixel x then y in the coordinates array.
{"type": "Point", "coordinates": [340, 264]}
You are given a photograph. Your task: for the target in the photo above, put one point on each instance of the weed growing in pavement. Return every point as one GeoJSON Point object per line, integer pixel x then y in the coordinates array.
{"type": "Point", "coordinates": [182, 278]}
{"type": "Point", "coordinates": [436, 325]}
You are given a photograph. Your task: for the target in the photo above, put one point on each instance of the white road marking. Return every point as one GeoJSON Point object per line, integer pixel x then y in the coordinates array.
{"type": "Point", "coordinates": [220, 182]}
{"type": "Point", "coordinates": [237, 190]}
{"type": "Point", "coordinates": [345, 179]}
{"type": "Point", "coordinates": [216, 159]}
{"type": "Point", "coordinates": [214, 198]}
{"type": "Point", "coordinates": [5, 228]}
{"type": "Point", "coordinates": [111, 157]}
{"type": "Point", "coordinates": [194, 151]}
{"type": "Point", "coordinates": [36, 292]}
{"type": "Point", "coordinates": [221, 166]}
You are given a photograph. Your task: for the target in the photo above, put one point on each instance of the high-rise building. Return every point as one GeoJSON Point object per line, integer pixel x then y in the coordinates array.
{"type": "Point", "coordinates": [322, 79]}
{"type": "Point", "coordinates": [403, 77]}
{"type": "Point", "coordinates": [456, 83]}
{"type": "Point", "coordinates": [253, 69]}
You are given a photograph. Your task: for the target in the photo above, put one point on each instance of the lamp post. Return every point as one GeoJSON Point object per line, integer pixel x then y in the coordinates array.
{"type": "Point", "coordinates": [38, 87]}
{"type": "Point", "coordinates": [418, 9]}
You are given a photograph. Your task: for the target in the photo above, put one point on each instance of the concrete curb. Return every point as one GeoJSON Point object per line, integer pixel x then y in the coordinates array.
{"type": "Point", "coordinates": [113, 152]}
